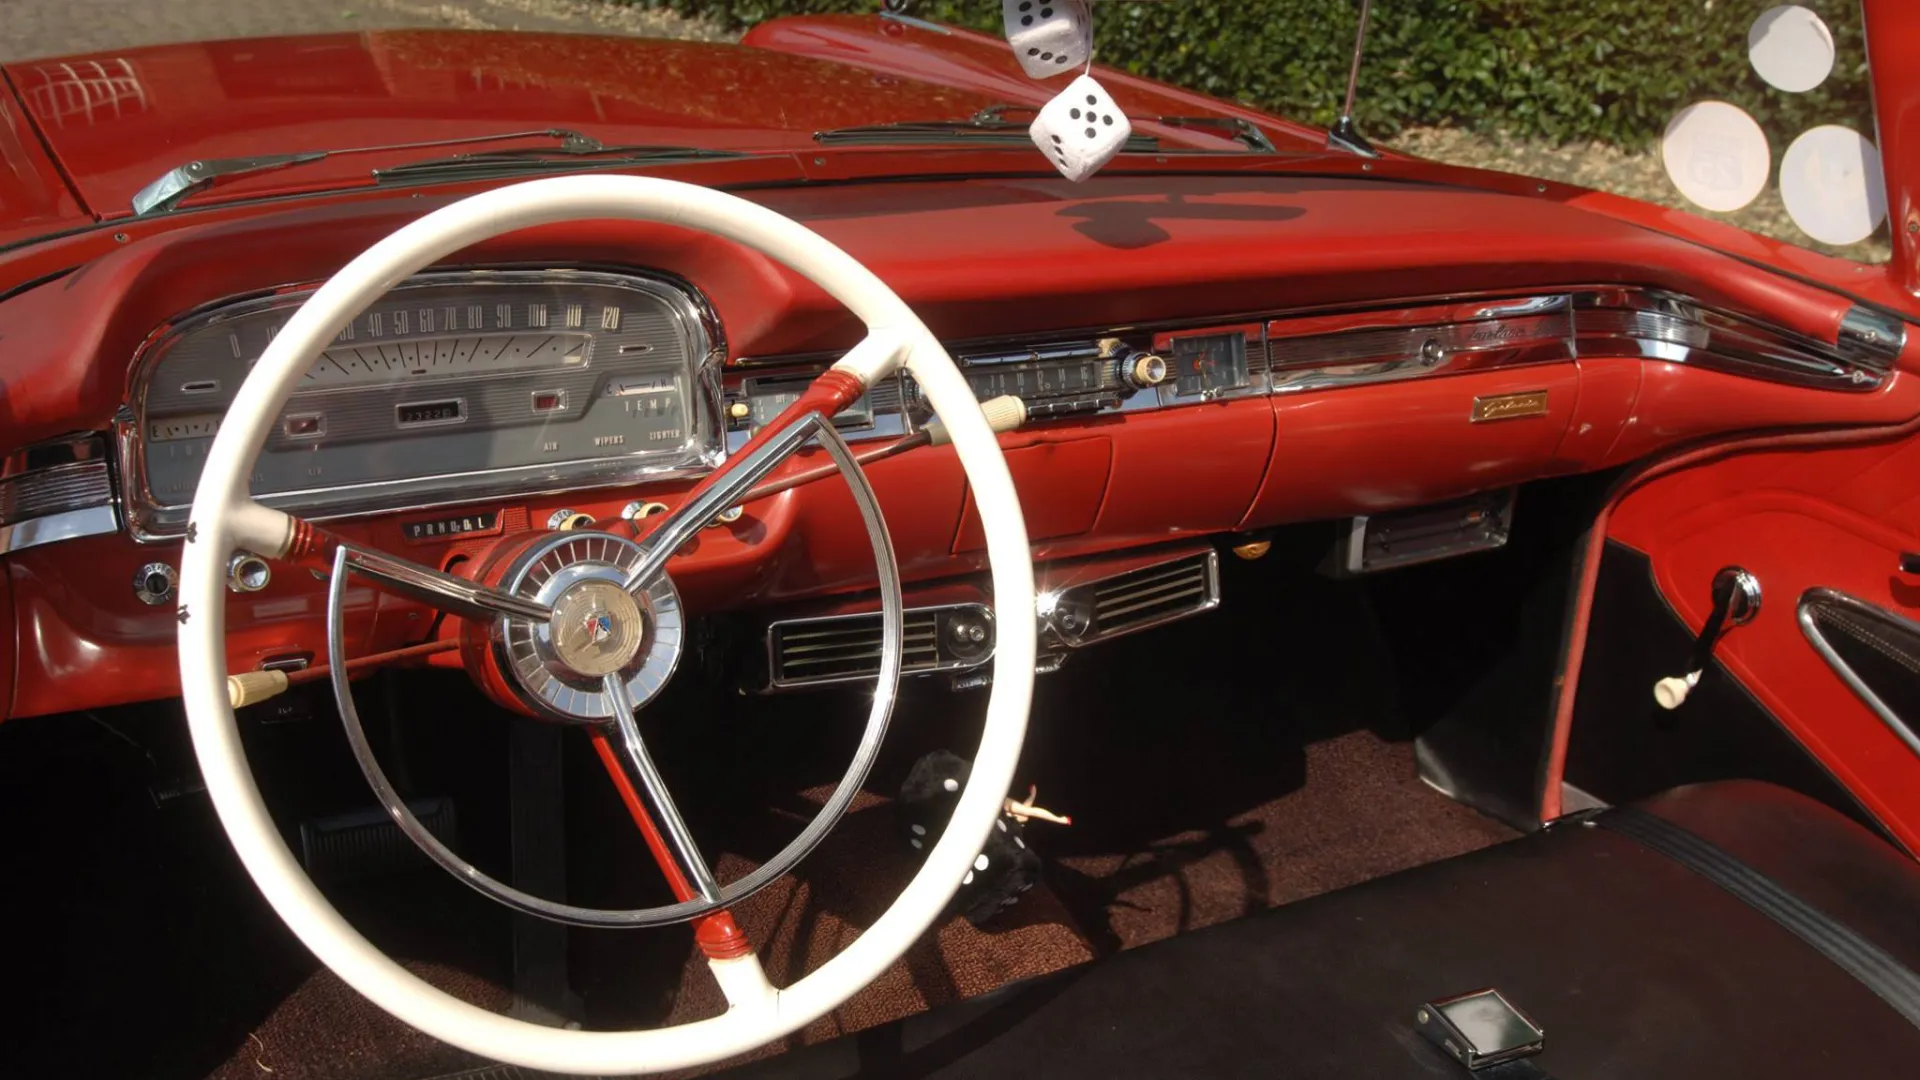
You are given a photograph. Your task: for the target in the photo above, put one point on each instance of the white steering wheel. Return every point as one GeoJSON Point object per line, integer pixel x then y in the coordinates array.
{"type": "Point", "coordinates": [225, 518]}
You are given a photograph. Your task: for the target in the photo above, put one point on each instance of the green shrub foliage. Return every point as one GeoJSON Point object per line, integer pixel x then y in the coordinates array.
{"type": "Point", "coordinates": [1614, 70]}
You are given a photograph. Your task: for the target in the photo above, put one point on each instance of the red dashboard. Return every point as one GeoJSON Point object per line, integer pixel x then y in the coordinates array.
{"type": "Point", "coordinates": [999, 260]}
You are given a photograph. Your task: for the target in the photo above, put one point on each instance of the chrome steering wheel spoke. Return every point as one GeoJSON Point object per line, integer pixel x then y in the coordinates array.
{"type": "Point", "coordinates": [692, 863]}
{"type": "Point", "coordinates": [719, 493]}
{"type": "Point", "coordinates": [449, 593]}
{"type": "Point", "coordinates": [618, 688]}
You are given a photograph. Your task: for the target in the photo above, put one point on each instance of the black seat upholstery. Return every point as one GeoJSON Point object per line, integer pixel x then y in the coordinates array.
{"type": "Point", "coordinates": [1636, 967]}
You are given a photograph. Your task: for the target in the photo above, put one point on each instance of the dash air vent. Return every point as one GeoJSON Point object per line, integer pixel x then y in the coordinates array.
{"type": "Point", "coordinates": [845, 648]}
{"type": "Point", "coordinates": [1096, 610]}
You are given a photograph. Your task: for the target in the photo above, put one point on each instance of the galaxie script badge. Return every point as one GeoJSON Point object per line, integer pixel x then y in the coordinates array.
{"type": "Point", "coordinates": [1509, 406]}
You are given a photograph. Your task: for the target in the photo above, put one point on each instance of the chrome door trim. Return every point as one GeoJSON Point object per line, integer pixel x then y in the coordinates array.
{"type": "Point", "coordinates": [1820, 645]}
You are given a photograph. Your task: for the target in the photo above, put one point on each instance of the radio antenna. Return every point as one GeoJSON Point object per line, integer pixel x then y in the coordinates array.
{"type": "Point", "coordinates": [1343, 135]}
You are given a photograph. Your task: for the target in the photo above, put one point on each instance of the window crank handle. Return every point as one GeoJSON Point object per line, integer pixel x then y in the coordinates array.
{"type": "Point", "coordinates": [1736, 600]}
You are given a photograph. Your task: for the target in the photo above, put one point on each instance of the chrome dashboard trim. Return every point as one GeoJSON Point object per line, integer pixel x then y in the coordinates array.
{"type": "Point", "coordinates": [1317, 352]}
{"type": "Point", "coordinates": [57, 490]}
{"type": "Point", "coordinates": [1873, 338]}
{"type": "Point", "coordinates": [53, 528]}
{"type": "Point", "coordinates": [148, 521]}
{"type": "Point", "coordinates": [1331, 347]}
{"type": "Point", "coordinates": [1658, 325]}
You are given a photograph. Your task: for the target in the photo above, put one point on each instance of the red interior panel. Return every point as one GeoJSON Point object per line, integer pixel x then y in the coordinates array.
{"type": "Point", "coordinates": [1837, 518]}
{"type": "Point", "coordinates": [1368, 449]}
{"type": "Point", "coordinates": [1060, 485]}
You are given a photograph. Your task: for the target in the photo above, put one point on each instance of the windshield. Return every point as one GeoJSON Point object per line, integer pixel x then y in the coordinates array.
{"type": "Point", "coordinates": [1745, 111]}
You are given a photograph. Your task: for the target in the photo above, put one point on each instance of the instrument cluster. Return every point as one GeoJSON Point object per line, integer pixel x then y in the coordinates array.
{"type": "Point", "coordinates": [455, 386]}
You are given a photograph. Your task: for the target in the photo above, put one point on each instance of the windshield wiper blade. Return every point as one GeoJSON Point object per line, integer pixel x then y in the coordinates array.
{"type": "Point", "coordinates": [1242, 131]}
{"type": "Point", "coordinates": [985, 125]}
{"type": "Point", "coordinates": [166, 192]}
{"type": "Point", "coordinates": [540, 159]}
{"type": "Point", "coordinates": [988, 126]}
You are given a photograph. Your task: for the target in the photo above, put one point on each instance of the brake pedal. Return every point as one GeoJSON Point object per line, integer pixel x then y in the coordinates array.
{"type": "Point", "coordinates": [366, 843]}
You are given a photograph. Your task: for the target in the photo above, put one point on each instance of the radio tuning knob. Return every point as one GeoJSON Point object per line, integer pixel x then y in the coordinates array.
{"type": "Point", "coordinates": [1144, 370]}
{"type": "Point", "coordinates": [739, 410]}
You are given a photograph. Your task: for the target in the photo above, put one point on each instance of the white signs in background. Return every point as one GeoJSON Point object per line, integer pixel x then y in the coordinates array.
{"type": "Point", "coordinates": [1832, 185]}
{"type": "Point", "coordinates": [1791, 48]}
{"type": "Point", "coordinates": [1716, 155]}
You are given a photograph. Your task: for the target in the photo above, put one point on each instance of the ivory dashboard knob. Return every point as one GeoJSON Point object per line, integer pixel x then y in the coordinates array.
{"type": "Point", "coordinates": [253, 687]}
{"type": "Point", "coordinates": [1671, 692]}
{"type": "Point", "coordinates": [1146, 370]}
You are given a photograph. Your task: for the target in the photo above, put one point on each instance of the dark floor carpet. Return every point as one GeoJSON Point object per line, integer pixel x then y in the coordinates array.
{"type": "Point", "coordinates": [1213, 769]}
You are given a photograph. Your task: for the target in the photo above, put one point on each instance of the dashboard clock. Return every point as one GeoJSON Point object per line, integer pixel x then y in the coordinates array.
{"type": "Point", "coordinates": [1209, 365]}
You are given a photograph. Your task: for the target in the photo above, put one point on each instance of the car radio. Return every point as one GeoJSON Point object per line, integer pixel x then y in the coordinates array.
{"type": "Point", "coordinates": [1067, 378]}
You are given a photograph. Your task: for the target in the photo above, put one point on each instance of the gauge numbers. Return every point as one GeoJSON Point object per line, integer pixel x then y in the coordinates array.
{"type": "Point", "coordinates": [453, 354]}
{"type": "Point", "coordinates": [452, 384]}
{"type": "Point", "coordinates": [768, 398]}
{"type": "Point", "coordinates": [175, 428]}
{"type": "Point", "coordinates": [1046, 379]}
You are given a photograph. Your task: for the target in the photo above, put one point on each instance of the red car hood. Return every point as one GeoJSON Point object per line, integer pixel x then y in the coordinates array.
{"type": "Point", "coordinates": [116, 122]}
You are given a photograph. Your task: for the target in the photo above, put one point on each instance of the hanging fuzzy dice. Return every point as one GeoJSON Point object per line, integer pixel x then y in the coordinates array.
{"type": "Point", "coordinates": [1002, 870]}
{"type": "Point", "coordinates": [1049, 37]}
{"type": "Point", "coordinates": [1081, 130]}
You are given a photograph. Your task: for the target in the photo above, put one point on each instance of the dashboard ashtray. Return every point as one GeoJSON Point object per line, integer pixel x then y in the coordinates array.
{"type": "Point", "coordinates": [1479, 1030]}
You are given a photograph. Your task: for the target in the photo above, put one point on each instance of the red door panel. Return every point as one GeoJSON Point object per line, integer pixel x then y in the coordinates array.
{"type": "Point", "coordinates": [1834, 518]}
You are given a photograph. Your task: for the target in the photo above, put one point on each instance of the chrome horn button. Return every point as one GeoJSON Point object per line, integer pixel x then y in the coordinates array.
{"type": "Point", "coordinates": [558, 666]}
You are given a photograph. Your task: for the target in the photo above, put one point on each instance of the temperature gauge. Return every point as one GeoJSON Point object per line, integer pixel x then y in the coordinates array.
{"type": "Point", "coordinates": [1209, 365]}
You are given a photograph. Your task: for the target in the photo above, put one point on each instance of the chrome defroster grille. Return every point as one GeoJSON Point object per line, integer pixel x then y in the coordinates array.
{"type": "Point", "coordinates": [1154, 595]}
{"type": "Point", "coordinates": [844, 648]}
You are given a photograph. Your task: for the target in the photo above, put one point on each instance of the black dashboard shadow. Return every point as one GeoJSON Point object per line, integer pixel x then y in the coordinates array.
{"type": "Point", "coordinates": [1132, 224]}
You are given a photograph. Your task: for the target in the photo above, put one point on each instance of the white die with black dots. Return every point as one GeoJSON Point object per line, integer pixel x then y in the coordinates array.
{"type": "Point", "coordinates": [1049, 37]}
{"type": "Point", "coordinates": [1080, 130]}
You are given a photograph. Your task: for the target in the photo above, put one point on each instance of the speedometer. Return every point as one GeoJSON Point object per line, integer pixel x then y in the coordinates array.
{"type": "Point", "coordinates": [456, 385]}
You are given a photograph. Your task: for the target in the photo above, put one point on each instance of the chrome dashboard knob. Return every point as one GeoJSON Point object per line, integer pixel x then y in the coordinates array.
{"type": "Point", "coordinates": [636, 510]}
{"type": "Point", "coordinates": [155, 583]}
{"type": "Point", "coordinates": [247, 572]}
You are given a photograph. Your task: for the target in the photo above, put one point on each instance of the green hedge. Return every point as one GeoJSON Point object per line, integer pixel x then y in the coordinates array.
{"type": "Point", "coordinates": [1614, 70]}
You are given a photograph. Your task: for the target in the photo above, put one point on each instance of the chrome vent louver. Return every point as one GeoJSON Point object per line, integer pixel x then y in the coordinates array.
{"type": "Point", "coordinates": [1104, 608]}
{"type": "Point", "coordinates": [55, 491]}
{"type": "Point", "coordinates": [845, 648]}
{"type": "Point", "coordinates": [1155, 595]}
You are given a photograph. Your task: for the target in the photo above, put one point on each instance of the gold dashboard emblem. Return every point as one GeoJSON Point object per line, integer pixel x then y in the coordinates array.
{"type": "Point", "coordinates": [1509, 406]}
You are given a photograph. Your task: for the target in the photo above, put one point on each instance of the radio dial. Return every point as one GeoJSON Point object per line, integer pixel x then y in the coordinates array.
{"type": "Point", "coordinates": [1145, 370]}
